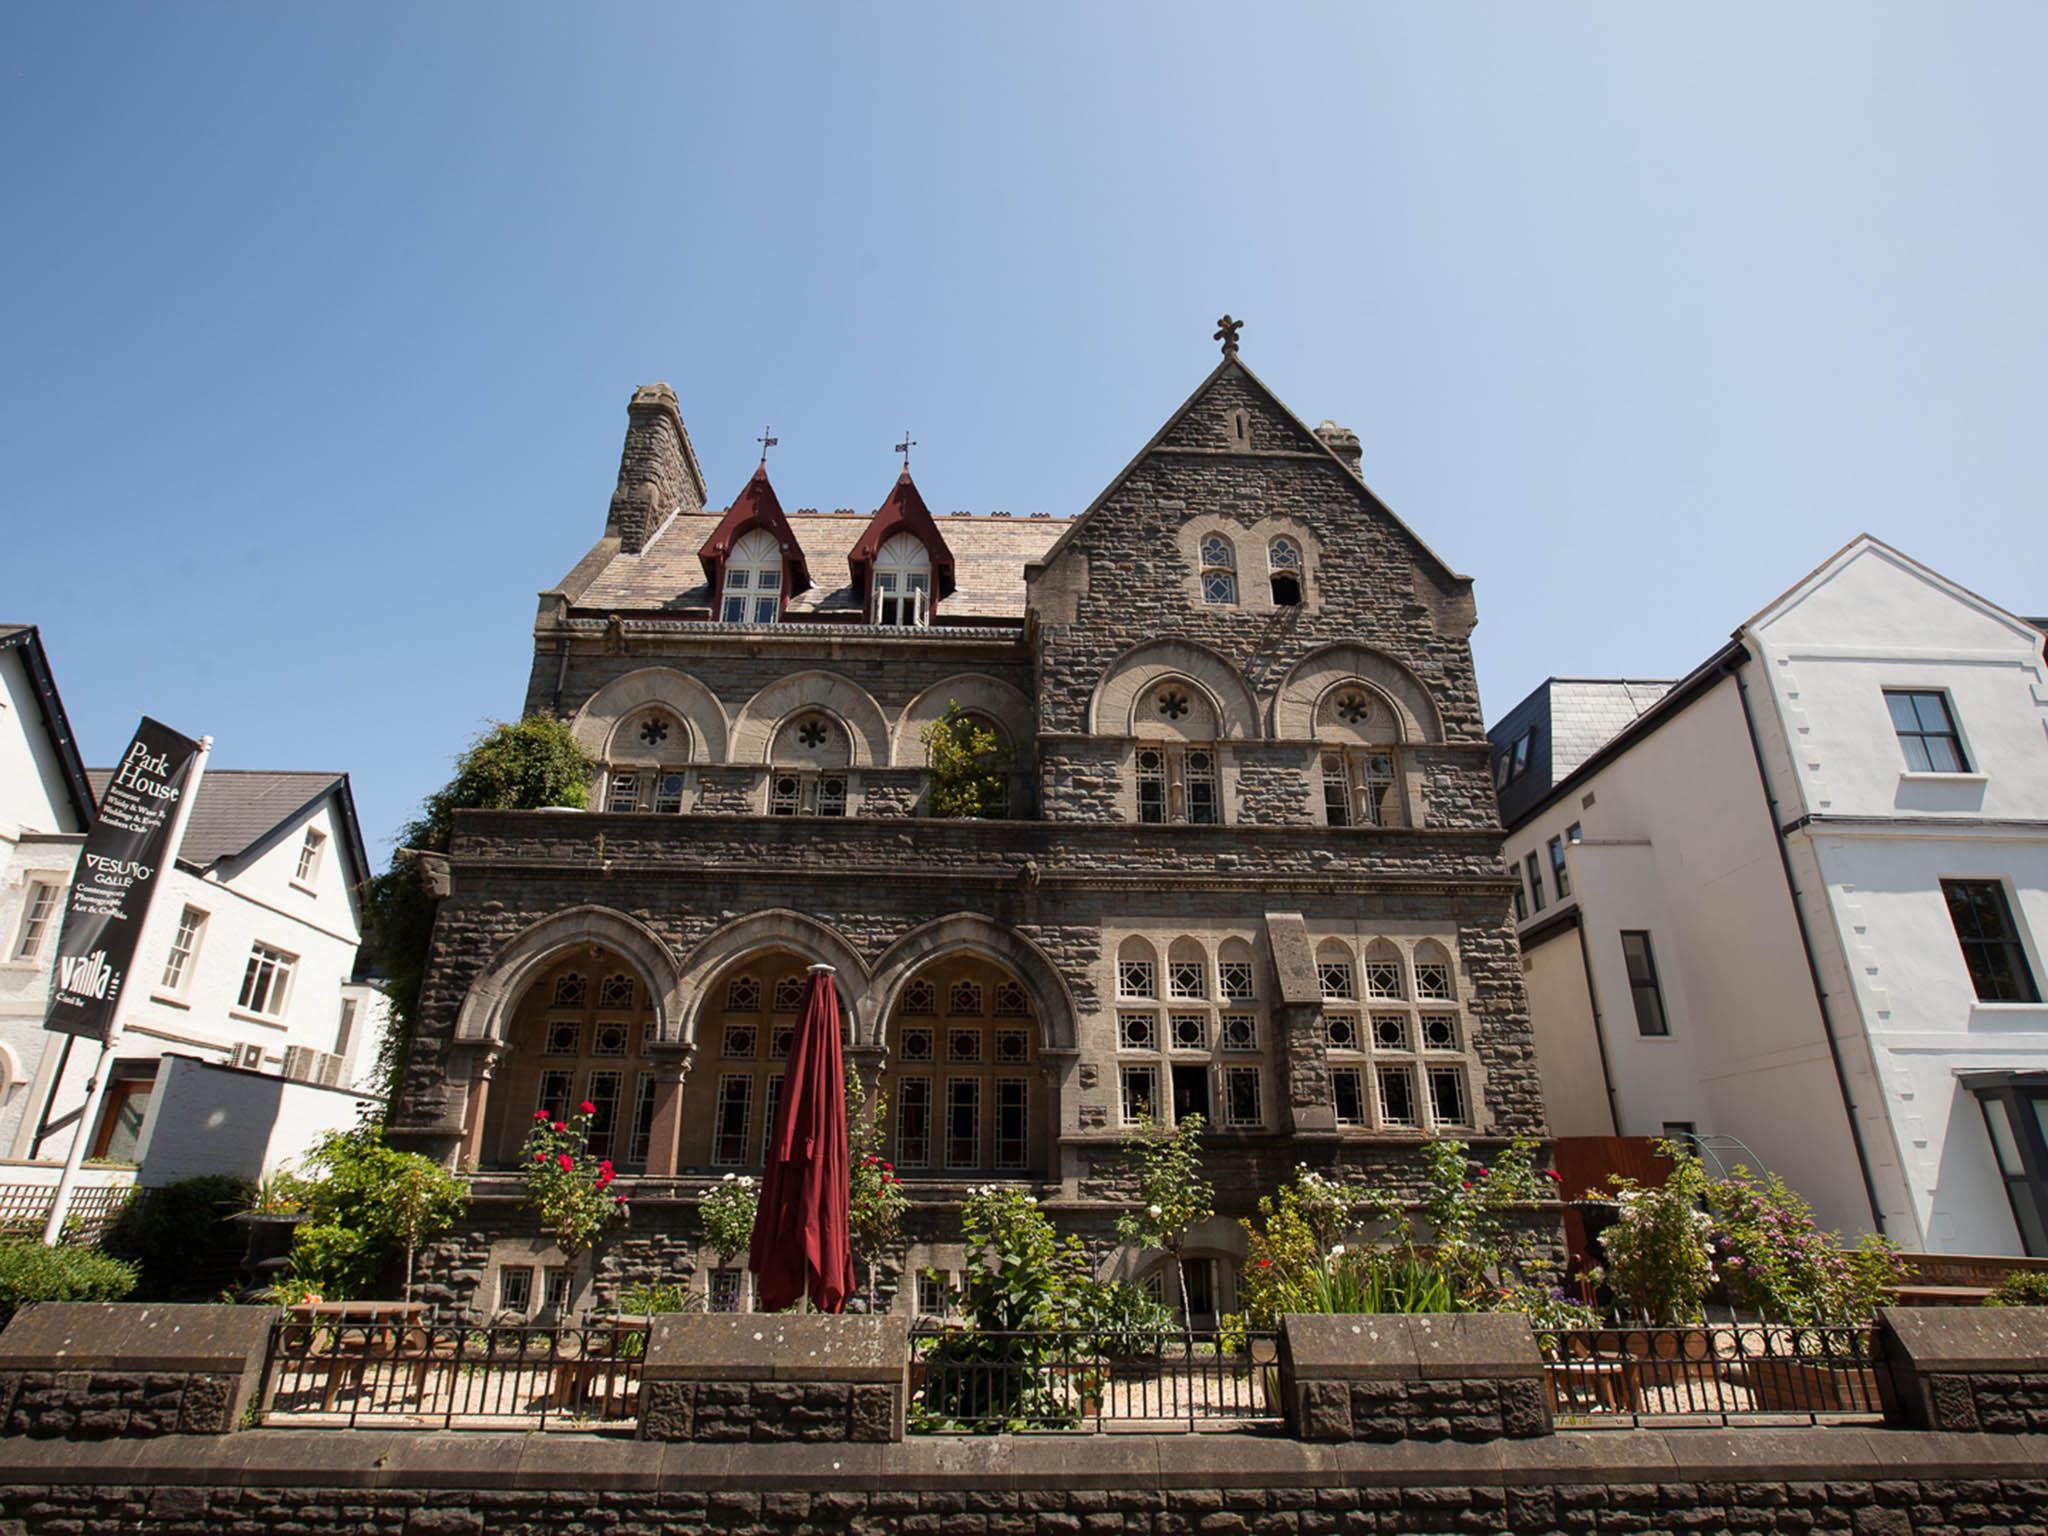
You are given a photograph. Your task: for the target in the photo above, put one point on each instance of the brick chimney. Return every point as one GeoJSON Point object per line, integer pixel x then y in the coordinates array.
{"type": "Point", "coordinates": [1343, 442]}
{"type": "Point", "coordinates": [658, 473]}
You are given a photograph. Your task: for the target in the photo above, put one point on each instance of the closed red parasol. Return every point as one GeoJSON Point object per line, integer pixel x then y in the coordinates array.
{"type": "Point", "coordinates": [800, 1245]}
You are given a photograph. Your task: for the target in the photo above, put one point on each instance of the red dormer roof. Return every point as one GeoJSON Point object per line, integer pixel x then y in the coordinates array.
{"type": "Point", "coordinates": [756, 507]}
{"type": "Point", "coordinates": [903, 512]}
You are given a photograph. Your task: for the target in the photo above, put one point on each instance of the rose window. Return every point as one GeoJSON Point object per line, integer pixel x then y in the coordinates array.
{"type": "Point", "coordinates": [654, 732]}
{"type": "Point", "coordinates": [1352, 708]}
{"type": "Point", "coordinates": [812, 734]}
{"type": "Point", "coordinates": [1173, 703]}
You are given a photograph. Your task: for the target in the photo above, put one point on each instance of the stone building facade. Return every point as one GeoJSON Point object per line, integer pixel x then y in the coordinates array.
{"type": "Point", "coordinates": [1247, 865]}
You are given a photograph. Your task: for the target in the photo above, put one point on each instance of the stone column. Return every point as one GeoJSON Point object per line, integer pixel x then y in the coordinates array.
{"type": "Point", "coordinates": [670, 1063]}
{"type": "Point", "coordinates": [1305, 1071]}
{"type": "Point", "coordinates": [483, 1064]}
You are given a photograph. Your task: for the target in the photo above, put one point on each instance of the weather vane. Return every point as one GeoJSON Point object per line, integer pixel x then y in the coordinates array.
{"type": "Point", "coordinates": [904, 448]}
{"type": "Point", "coordinates": [1226, 332]}
{"type": "Point", "coordinates": [767, 440]}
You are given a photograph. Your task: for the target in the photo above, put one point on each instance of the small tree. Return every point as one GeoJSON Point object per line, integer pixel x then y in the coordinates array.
{"type": "Point", "coordinates": [727, 1213]}
{"type": "Point", "coordinates": [968, 764]}
{"type": "Point", "coordinates": [568, 1188]}
{"type": "Point", "coordinates": [362, 1200]}
{"type": "Point", "coordinates": [526, 766]}
{"type": "Point", "coordinates": [875, 1202]}
{"type": "Point", "coordinates": [1173, 1197]}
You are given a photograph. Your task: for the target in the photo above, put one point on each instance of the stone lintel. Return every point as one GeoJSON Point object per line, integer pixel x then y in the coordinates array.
{"type": "Point", "coordinates": [1470, 1346]}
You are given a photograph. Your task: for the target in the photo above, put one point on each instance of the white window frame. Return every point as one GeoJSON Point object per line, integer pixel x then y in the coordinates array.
{"type": "Point", "coordinates": [33, 936]}
{"type": "Point", "coordinates": [310, 851]}
{"type": "Point", "coordinates": [179, 964]}
{"type": "Point", "coordinates": [266, 982]}
{"type": "Point", "coordinates": [752, 580]}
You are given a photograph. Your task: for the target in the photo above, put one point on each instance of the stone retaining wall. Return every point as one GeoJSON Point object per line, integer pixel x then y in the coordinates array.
{"type": "Point", "coordinates": [1853, 1482]}
{"type": "Point", "coordinates": [745, 1377]}
{"type": "Point", "coordinates": [93, 1370]}
{"type": "Point", "coordinates": [1473, 1377]}
{"type": "Point", "coordinates": [1970, 1368]}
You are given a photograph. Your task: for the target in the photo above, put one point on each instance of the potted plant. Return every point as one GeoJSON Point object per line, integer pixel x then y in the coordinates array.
{"type": "Point", "coordinates": [272, 1215]}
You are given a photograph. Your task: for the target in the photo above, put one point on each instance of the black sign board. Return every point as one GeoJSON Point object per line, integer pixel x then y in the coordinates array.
{"type": "Point", "coordinates": [117, 874]}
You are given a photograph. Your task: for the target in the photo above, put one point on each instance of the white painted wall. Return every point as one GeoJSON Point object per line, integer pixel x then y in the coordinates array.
{"type": "Point", "coordinates": [1880, 839]}
{"type": "Point", "coordinates": [208, 1119]}
{"type": "Point", "coordinates": [32, 793]}
{"type": "Point", "coordinates": [1677, 841]}
{"type": "Point", "coordinates": [254, 900]}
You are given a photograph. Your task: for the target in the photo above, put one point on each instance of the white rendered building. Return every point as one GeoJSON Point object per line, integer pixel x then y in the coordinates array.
{"type": "Point", "coordinates": [1793, 903]}
{"type": "Point", "coordinates": [246, 962]}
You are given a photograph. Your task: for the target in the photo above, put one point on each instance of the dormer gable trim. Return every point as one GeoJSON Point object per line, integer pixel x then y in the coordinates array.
{"type": "Point", "coordinates": [756, 506]}
{"type": "Point", "coordinates": [903, 512]}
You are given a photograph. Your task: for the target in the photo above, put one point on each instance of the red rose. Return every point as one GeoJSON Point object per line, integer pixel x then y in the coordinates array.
{"type": "Point", "coordinates": [1556, 1177]}
{"type": "Point", "coordinates": [586, 1108]}
{"type": "Point", "coordinates": [1482, 1173]}
{"type": "Point", "coordinates": [1265, 1263]}
{"type": "Point", "coordinates": [540, 1114]}
{"type": "Point", "coordinates": [566, 1161]}
{"type": "Point", "coordinates": [1468, 1183]}
{"type": "Point", "coordinates": [540, 1157]}
{"type": "Point", "coordinates": [622, 1199]}
{"type": "Point", "coordinates": [560, 1127]}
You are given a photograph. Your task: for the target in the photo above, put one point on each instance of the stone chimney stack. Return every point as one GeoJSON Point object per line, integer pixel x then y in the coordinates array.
{"type": "Point", "coordinates": [1343, 442]}
{"type": "Point", "coordinates": [658, 473]}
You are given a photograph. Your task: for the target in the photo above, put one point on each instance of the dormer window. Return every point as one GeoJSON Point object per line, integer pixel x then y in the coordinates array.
{"type": "Point", "coordinates": [902, 582]}
{"type": "Point", "coordinates": [753, 580]}
{"type": "Point", "coordinates": [1283, 562]}
{"type": "Point", "coordinates": [1219, 570]}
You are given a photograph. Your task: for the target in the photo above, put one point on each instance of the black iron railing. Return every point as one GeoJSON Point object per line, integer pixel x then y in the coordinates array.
{"type": "Point", "coordinates": [1722, 1372]}
{"type": "Point", "coordinates": [965, 1381]}
{"type": "Point", "coordinates": [452, 1376]}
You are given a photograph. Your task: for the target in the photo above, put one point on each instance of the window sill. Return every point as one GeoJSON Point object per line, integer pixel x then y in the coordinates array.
{"type": "Point", "coordinates": [256, 1018]}
{"type": "Point", "coordinates": [300, 885]}
{"type": "Point", "coordinates": [170, 1001]}
{"type": "Point", "coordinates": [21, 965]}
{"type": "Point", "coordinates": [1910, 776]}
{"type": "Point", "coordinates": [2011, 1010]}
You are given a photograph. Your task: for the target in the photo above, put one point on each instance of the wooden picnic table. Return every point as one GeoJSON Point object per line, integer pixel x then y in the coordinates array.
{"type": "Point", "coordinates": [364, 1331]}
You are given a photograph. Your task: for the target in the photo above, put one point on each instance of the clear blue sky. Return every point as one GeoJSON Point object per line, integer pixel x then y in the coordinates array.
{"type": "Point", "coordinates": [320, 321]}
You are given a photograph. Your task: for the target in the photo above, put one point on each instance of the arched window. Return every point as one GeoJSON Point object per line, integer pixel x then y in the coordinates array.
{"type": "Point", "coordinates": [902, 582]}
{"type": "Point", "coordinates": [573, 1042]}
{"type": "Point", "coordinates": [959, 1081]}
{"type": "Point", "coordinates": [1219, 570]}
{"type": "Point", "coordinates": [808, 759]}
{"type": "Point", "coordinates": [1196, 1048]}
{"type": "Point", "coordinates": [753, 580]}
{"type": "Point", "coordinates": [1176, 759]}
{"type": "Point", "coordinates": [1284, 568]}
{"type": "Point", "coordinates": [644, 763]}
{"type": "Point", "coordinates": [1361, 783]}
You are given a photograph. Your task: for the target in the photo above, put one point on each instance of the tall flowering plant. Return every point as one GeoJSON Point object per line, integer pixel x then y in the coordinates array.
{"type": "Point", "coordinates": [1775, 1257]}
{"type": "Point", "coordinates": [568, 1188]}
{"type": "Point", "coordinates": [1660, 1248]}
{"type": "Point", "coordinates": [875, 1199]}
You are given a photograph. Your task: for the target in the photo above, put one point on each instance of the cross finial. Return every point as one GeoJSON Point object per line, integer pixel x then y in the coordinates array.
{"type": "Point", "coordinates": [904, 448]}
{"type": "Point", "coordinates": [767, 440]}
{"type": "Point", "coordinates": [1226, 332]}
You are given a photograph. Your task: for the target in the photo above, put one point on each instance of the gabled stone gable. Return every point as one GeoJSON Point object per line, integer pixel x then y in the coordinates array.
{"type": "Point", "coordinates": [1123, 576]}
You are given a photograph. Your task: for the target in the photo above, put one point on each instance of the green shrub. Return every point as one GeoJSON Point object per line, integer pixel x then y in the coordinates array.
{"type": "Point", "coordinates": [181, 1238]}
{"type": "Point", "coordinates": [2021, 1288]}
{"type": "Point", "coordinates": [31, 1272]}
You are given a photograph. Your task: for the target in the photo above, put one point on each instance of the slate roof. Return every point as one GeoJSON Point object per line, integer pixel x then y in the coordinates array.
{"type": "Point", "coordinates": [989, 556]}
{"type": "Point", "coordinates": [1573, 717]}
{"type": "Point", "coordinates": [238, 808]}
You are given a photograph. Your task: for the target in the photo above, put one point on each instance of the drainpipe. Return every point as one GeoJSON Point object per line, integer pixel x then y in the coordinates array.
{"type": "Point", "coordinates": [1820, 993]}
